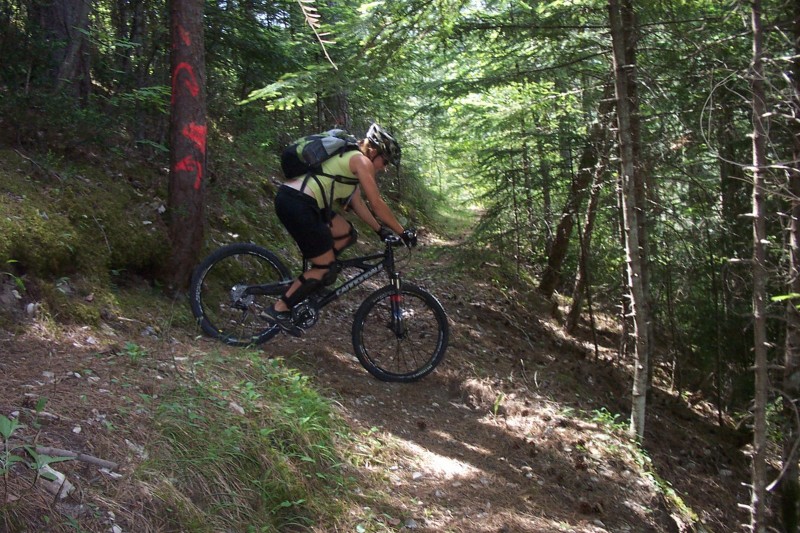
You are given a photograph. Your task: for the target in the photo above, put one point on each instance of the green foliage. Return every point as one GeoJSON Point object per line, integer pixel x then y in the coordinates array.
{"type": "Point", "coordinates": [262, 454]}
{"type": "Point", "coordinates": [134, 352]}
{"type": "Point", "coordinates": [9, 457]}
{"type": "Point", "coordinates": [292, 90]}
{"type": "Point", "coordinates": [18, 281]}
{"type": "Point", "coordinates": [612, 421]}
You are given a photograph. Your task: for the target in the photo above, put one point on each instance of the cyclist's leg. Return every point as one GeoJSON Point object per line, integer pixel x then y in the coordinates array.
{"type": "Point", "coordinates": [307, 225]}
{"type": "Point", "coordinates": [323, 272]}
{"type": "Point", "coordinates": [344, 233]}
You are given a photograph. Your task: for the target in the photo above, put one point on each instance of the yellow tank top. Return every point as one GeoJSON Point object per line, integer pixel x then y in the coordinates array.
{"type": "Point", "coordinates": [325, 188]}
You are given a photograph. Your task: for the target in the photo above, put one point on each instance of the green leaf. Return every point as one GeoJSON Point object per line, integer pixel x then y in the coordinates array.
{"type": "Point", "coordinates": [8, 426]}
{"type": "Point", "coordinates": [40, 403]}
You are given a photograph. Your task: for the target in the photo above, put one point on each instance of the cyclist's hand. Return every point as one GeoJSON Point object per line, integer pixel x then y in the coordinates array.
{"type": "Point", "coordinates": [409, 237]}
{"type": "Point", "coordinates": [384, 233]}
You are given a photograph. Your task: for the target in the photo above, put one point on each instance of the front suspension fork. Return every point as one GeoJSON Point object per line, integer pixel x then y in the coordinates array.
{"type": "Point", "coordinates": [396, 299]}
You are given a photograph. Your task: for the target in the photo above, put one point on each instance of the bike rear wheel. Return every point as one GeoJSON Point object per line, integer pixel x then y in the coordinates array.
{"type": "Point", "coordinates": [221, 301]}
{"type": "Point", "coordinates": [400, 337]}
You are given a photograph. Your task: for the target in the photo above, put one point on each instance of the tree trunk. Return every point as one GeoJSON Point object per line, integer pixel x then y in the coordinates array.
{"type": "Point", "coordinates": [757, 501]}
{"type": "Point", "coordinates": [65, 24]}
{"type": "Point", "coordinates": [581, 277]}
{"type": "Point", "coordinates": [624, 77]}
{"type": "Point", "coordinates": [186, 203]}
{"type": "Point", "coordinates": [642, 188]}
{"type": "Point", "coordinates": [547, 202]}
{"type": "Point", "coordinates": [558, 250]}
{"type": "Point", "coordinates": [790, 484]}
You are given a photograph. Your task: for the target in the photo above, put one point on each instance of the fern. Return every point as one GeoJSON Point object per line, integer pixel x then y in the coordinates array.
{"type": "Point", "coordinates": [313, 19]}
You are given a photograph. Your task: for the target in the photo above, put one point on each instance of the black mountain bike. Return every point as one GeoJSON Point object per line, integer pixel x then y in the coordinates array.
{"type": "Point", "coordinates": [400, 331]}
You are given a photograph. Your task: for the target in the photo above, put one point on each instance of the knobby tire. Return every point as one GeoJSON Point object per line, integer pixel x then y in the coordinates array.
{"type": "Point", "coordinates": [404, 356]}
{"type": "Point", "coordinates": [236, 265]}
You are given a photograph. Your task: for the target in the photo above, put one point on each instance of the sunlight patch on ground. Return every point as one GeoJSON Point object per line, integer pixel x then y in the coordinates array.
{"type": "Point", "coordinates": [440, 465]}
{"type": "Point", "coordinates": [438, 240]}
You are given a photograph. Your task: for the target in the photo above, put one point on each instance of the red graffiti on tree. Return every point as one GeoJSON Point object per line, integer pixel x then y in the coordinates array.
{"type": "Point", "coordinates": [190, 164]}
{"type": "Point", "coordinates": [189, 80]}
{"type": "Point", "coordinates": [184, 76]}
{"type": "Point", "coordinates": [185, 37]}
{"type": "Point", "coordinates": [197, 134]}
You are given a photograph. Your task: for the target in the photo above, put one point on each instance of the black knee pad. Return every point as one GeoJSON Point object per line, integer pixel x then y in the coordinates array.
{"type": "Point", "coordinates": [333, 272]}
{"type": "Point", "coordinates": [351, 236]}
{"type": "Point", "coordinates": [308, 286]}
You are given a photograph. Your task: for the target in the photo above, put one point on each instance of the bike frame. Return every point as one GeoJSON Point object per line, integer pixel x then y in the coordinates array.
{"type": "Point", "coordinates": [365, 264]}
{"type": "Point", "coordinates": [368, 270]}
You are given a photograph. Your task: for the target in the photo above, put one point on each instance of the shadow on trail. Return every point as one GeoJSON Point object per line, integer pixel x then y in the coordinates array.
{"type": "Point", "coordinates": [492, 441]}
{"type": "Point", "coordinates": [470, 469]}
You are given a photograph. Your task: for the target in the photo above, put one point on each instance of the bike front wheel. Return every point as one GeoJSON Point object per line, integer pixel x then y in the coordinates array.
{"type": "Point", "coordinates": [400, 335]}
{"type": "Point", "coordinates": [231, 287]}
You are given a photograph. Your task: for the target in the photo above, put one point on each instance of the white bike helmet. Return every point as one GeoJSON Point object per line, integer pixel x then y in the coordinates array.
{"type": "Point", "coordinates": [385, 143]}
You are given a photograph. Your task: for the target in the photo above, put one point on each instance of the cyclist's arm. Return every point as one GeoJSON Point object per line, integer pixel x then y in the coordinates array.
{"type": "Point", "coordinates": [360, 208]}
{"type": "Point", "coordinates": [364, 170]}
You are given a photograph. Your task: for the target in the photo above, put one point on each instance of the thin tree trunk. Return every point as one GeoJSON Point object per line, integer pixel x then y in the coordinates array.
{"type": "Point", "coordinates": [625, 304]}
{"type": "Point", "coordinates": [557, 252]}
{"type": "Point", "coordinates": [641, 188]}
{"type": "Point", "coordinates": [547, 202]}
{"type": "Point", "coordinates": [790, 484]}
{"type": "Point", "coordinates": [515, 210]}
{"type": "Point", "coordinates": [757, 501]}
{"type": "Point", "coordinates": [624, 76]}
{"type": "Point", "coordinates": [186, 203]}
{"type": "Point", "coordinates": [581, 285]}
{"type": "Point", "coordinates": [581, 277]}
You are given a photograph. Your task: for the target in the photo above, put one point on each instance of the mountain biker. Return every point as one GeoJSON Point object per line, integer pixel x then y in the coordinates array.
{"type": "Point", "coordinates": [304, 208]}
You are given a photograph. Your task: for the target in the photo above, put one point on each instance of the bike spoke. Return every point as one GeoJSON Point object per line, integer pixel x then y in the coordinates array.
{"type": "Point", "coordinates": [403, 336]}
{"type": "Point", "coordinates": [229, 311]}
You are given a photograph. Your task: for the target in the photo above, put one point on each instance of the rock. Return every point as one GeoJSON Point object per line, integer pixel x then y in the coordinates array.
{"type": "Point", "coordinates": [236, 408]}
{"type": "Point", "coordinates": [55, 482]}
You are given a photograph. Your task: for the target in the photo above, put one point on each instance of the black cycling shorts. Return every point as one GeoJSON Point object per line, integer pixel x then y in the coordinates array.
{"type": "Point", "coordinates": [304, 221]}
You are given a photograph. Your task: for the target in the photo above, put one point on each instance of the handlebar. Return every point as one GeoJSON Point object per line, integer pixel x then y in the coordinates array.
{"type": "Point", "coordinates": [408, 238]}
{"type": "Point", "coordinates": [393, 240]}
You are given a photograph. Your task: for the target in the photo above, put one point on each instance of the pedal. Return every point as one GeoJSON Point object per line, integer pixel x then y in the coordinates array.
{"type": "Point", "coordinates": [294, 331]}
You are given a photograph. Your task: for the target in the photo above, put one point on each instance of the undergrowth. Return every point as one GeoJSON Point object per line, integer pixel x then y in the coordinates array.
{"type": "Point", "coordinates": [246, 446]}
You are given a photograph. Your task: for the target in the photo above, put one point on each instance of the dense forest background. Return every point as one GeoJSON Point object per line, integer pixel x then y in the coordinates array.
{"type": "Point", "coordinates": [504, 106]}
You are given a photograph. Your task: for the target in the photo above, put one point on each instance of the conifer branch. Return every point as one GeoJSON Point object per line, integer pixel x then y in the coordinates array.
{"type": "Point", "coordinates": [313, 19]}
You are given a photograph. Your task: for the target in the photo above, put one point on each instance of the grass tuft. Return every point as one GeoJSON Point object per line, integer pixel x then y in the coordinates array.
{"type": "Point", "coordinates": [248, 449]}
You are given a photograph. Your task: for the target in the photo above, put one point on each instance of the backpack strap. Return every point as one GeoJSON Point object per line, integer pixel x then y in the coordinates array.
{"type": "Point", "coordinates": [327, 201]}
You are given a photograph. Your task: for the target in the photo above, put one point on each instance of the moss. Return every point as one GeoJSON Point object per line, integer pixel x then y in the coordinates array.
{"type": "Point", "coordinates": [71, 300]}
{"type": "Point", "coordinates": [90, 221]}
{"type": "Point", "coordinates": [98, 220]}
{"type": "Point", "coordinates": [42, 243]}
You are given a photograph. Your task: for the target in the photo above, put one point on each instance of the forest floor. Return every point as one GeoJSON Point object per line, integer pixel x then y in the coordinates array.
{"type": "Point", "coordinates": [514, 432]}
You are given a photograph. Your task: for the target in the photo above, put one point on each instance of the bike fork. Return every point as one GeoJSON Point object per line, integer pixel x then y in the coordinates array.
{"type": "Point", "coordinates": [396, 299]}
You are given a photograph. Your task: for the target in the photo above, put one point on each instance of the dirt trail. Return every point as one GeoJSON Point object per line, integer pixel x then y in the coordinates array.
{"type": "Point", "coordinates": [499, 438]}
{"type": "Point", "coordinates": [491, 441]}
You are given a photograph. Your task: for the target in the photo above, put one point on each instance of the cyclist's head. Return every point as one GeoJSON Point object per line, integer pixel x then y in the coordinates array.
{"type": "Point", "coordinates": [385, 144]}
